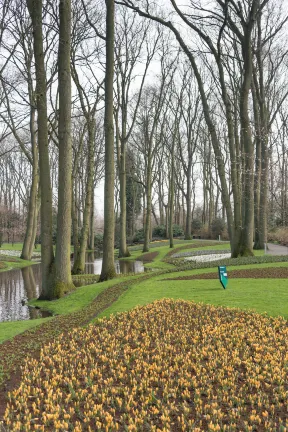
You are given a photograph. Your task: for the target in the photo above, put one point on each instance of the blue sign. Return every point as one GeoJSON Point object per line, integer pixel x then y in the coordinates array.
{"type": "Point", "coordinates": [223, 277]}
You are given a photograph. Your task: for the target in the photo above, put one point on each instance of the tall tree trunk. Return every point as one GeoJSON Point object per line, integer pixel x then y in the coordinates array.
{"type": "Point", "coordinates": [123, 249]}
{"type": "Point", "coordinates": [188, 205]}
{"type": "Point", "coordinates": [108, 270]}
{"type": "Point", "coordinates": [63, 279]}
{"type": "Point", "coordinates": [32, 213]}
{"type": "Point", "coordinates": [35, 223]}
{"type": "Point", "coordinates": [79, 262]}
{"type": "Point", "coordinates": [257, 177]}
{"type": "Point", "coordinates": [263, 134]}
{"type": "Point", "coordinates": [171, 191]}
{"type": "Point", "coordinates": [75, 222]}
{"type": "Point", "coordinates": [161, 212]}
{"type": "Point", "coordinates": [246, 244]}
{"type": "Point", "coordinates": [47, 254]}
{"type": "Point", "coordinates": [91, 226]}
{"type": "Point", "coordinates": [148, 207]}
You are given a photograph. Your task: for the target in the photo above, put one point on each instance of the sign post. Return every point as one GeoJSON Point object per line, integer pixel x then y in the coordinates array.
{"type": "Point", "coordinates": [223, 277]}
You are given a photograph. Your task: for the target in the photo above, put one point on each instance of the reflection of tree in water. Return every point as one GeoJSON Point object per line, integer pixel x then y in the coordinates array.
{"type": "Point", "coordinates": [94, 264]}
{"type": "Point", "coordinates": [89, 268]}
{"type": "Point", "coordinates": [12, 293]}
{"type": "Point", "coordinates": [31, 279]}
{"type": "Point", "coordinates": [16, 288]}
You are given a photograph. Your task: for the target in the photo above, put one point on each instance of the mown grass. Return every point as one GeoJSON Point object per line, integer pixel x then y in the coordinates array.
{"type": "Point", "coordinates": [261, 295]}
{"type": "Point", "coordinates": [77, 299]}
{"type": "Point", "coordinates": [163, 249]}
{"type": "Point", "coordinates": [12, 328]}
{"type": "Point", "coordinates": [9, 263]}
{"type": "Point", "coordinates": [83, 296]}
{"type": "Point", "coordinates": [16, 247]}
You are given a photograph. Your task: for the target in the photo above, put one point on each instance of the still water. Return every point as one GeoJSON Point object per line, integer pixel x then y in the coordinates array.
{"type": "Point", "coordinates": [18, 286]}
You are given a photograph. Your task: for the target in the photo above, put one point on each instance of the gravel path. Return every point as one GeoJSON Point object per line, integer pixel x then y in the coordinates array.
{"type": "Point", "coordinates": [274, 249]}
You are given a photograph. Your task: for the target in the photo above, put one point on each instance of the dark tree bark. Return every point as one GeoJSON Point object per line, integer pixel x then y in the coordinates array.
{"type": "Point", "coordinates": [47, 254]}
{"type": "Point", "coordinates": [108, 269]}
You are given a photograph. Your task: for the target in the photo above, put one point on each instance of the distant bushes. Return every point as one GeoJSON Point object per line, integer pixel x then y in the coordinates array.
{"type": "Point", "coordinates": [196, 226]}
{"type": "Point", "coordinates": [139, 235]}
{"type": "Point", "coordinates": [160, 231]}
{"type": "Point", "coordinates": [217, 227]}
{"type": "Point", "coordinates": [279, 235]}
{"type": "Point", "coordinates": [98, 241]}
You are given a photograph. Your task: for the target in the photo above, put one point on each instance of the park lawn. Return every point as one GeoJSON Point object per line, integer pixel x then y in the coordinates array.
{"type": "Point", "coordinates": [9, 329]}
{"type": "Point", "coordinates": [79, 298]}
{"type": "Point", "coordinates": [73, 302]}
{"type": "Point", "coordinates": [157, 262]}
{"type": "Point", "coordinates": [17, 247]}
{"type": "Point", "coordinates": [260, 295]}
{"type": "Point", "coordinates": [10, 263]}
{"type": "Point", "coordinates": [14, 247]}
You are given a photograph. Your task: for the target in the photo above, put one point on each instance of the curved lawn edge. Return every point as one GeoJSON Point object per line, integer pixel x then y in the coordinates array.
{"type": "Point", "coordinates": [8, 263]}
{"type": "Point", "coordinates": [15, 351]}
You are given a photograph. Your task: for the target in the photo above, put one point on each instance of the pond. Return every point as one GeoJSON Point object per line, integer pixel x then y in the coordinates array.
{"type": "Point", "coordinates": [18, 286]}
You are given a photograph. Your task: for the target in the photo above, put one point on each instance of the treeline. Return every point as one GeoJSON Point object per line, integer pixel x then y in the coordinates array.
{"type": "Point", "coordinates": [176, 111]}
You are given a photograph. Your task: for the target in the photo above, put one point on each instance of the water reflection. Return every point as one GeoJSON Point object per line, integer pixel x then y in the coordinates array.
{"type": "Point", "coordinates": [18, 286]}
{"type": "Point", "coordinates": [93, 265]}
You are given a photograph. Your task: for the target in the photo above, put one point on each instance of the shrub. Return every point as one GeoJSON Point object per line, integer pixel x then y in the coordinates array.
{"type": "Point", "coordinates": [160, 231]}
{"type": "Point", "coordinates": [139, 235]}
{"type": "Point", "coordinates": [217, 227]}
{"type": "Point", "coordinates": [178, 231]}
{"type": "Point", "coordinates": [279, 235]}
{"type": "Point", "coordinates": [98, 241]}
{"type": "Point", "coordinates": [204, 232]}
{"type": "Point", "coordinates": [196, 225]}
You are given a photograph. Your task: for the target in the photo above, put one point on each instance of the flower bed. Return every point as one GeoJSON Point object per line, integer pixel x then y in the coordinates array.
{"type": "Point", "coordinates": [168, 366]}
{"type": "Point", "coordinates": [200, 252]}
{"type": "Point", "coordinates": [207, 258]}
{"type": "Point", "coordinates": [14, 253]}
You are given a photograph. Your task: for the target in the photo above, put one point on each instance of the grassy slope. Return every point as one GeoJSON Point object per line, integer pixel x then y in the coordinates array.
{"type": "Point", "coordinates": [84, 295]}
{"type": "Point", "coordinates": [11, 329]}
{"type": "Point", "coordinates": [261, 295]}
{"type": "Point", "coordinates": [77, 299]}
{"type": "Point", "coordinates": [73, 302]}
{"type": "Point", "coordinates": [16, 263]}
{"type": "Point", "coordinates": [16, 247]}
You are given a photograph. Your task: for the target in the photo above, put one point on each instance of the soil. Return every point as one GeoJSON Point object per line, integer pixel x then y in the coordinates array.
{"type": "Point", "coordinates": [199, 244]}
{"type": "Point", "coordinates": [148, 257]}
{"type": "Point", "coordinates": [257, 273]}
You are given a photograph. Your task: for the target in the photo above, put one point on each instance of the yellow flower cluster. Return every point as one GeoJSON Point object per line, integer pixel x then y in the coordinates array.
{"type": "Point", "coordinates": [168, 366]}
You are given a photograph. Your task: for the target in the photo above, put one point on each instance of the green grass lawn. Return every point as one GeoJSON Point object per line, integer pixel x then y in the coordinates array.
{"type": "Point", "coordinates": [16, 263]}
{"type": "Point", "coordinates": [12, 328]}
{"type": "Point", "coordinates": [261, 295]}
{"type": "Point", "coordinates": [16, 247]}
{"type": "Point", "coordinates": [77, 299]}
{"type": "Point", "coordinates": [72, 302]}
{"type": "Point", "coordinates": [157, 263]}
